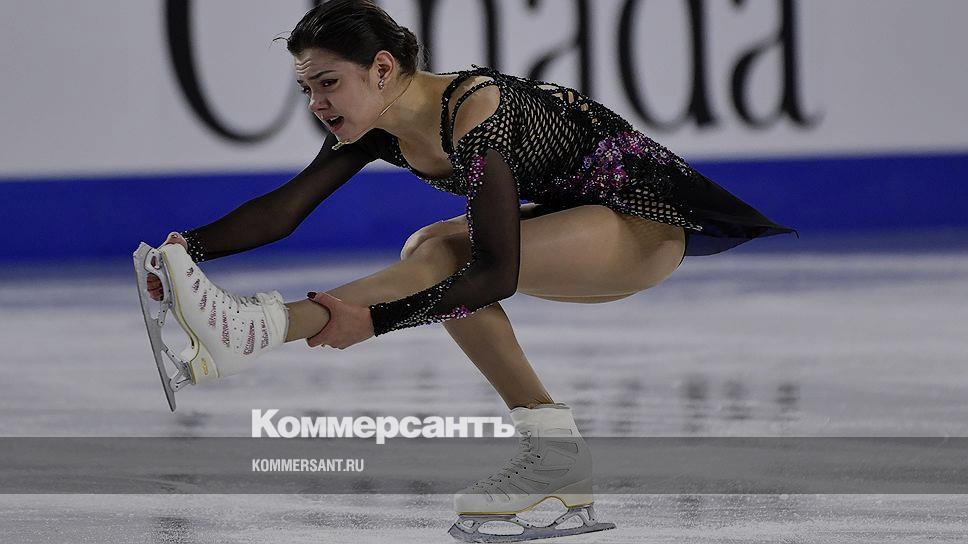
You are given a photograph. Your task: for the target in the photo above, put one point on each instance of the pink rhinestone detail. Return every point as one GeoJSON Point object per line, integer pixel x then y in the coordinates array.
{"type": "Point", "coordinates": [250, 341]}
{"type": "Point", "coordinates": [196, 285]}
{"type": "Point", "coordinates": [265, 335]}
{"type": "Point", "coordinates": [204, 301]}
{"type": "Point", "coordinates": [211, 317]}
{"type": "Point", "coordinates": [457, 313]}
{"type": "Point", "coordinates": [225, 329]}
{"type": "Point", "coordinates": [190, 271]}
{"type": "Point", "coordinates": [475, 176]}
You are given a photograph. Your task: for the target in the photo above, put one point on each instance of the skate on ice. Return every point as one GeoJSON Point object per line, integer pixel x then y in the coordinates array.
{"type": "Point", "coordinates": [553, 462]}
{"type": "Point", "coordinates": [226, 332]}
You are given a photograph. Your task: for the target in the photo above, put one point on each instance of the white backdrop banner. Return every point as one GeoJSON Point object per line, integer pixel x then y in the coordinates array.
{"type": "Point", "coordinates": [92, 87]}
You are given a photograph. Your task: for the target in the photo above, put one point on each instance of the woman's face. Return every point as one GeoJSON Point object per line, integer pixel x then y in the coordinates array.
{"type": "Point", "coordinates": [339, 89]}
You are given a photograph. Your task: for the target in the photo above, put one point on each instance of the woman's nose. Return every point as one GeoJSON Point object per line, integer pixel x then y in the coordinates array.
{"type": "Point", "coordinates": [315, 104]}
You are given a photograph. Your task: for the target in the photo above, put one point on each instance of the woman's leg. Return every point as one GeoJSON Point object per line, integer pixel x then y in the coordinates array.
{"type": "Point", "coordinates": [306, 318]}
{"type": "Point", "coordinates": [488, 340]}
{"type": "Point", "coordinates": [586, 254]}
{"type": "Point", "coordinates": [583, 254]}
{"type": "Point", "coordinates": [486, 337]}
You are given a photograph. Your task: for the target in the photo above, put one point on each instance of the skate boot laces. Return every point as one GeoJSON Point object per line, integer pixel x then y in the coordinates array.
{"type": "Point", "coordinates": [240, 302]}
{"type": "Point", "coordinates": [260, 301]}
{"type": "Point", "coordinates": [237, 301]}
{"type": "Point", "coordinates": [526, 456]}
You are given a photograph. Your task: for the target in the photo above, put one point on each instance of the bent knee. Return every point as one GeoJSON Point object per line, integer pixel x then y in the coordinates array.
{"type": "Point", "coordinates": [412, 243]}
{"type": "Point", "coordinates": [443, 253]}
{"type": "Point", "coordinates": [434, 230]}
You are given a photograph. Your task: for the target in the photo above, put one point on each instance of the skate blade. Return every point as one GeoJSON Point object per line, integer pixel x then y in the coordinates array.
{"type": "Point", "coordinates": [468, 527]}
{"type": "Point", "coordinates": [181, 377]}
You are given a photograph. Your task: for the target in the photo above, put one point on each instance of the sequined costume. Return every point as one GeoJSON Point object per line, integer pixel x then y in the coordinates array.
{"type": "Point", "coordinates": [545, 143]}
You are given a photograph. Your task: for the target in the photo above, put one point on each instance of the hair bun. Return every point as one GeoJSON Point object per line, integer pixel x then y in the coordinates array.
{"type": "Point", "coordinates": [356, 30]}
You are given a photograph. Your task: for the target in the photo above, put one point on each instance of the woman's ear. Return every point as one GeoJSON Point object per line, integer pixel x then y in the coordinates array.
{"type": "Point", "coordinates": [385, 63]}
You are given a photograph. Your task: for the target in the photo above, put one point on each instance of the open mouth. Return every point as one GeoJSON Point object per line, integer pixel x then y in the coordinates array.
{"type": "Point", "coordinates": [334, 122]}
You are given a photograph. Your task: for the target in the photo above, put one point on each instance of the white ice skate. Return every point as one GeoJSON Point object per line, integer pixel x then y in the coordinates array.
{"type": "Point", "coordinates": [553, 462]}
{"type": "Point", "coordinates": [225, 331]}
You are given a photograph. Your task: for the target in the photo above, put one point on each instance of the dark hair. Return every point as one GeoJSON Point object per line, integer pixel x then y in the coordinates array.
{"type": "Point", "coordinates": [355, 30]}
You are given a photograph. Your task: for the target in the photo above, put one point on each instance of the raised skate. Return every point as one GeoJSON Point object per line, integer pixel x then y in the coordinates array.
{"type": "Point", "coordinates": [225, 332]}
{"type": "Point", "coordinates": [553, 462]}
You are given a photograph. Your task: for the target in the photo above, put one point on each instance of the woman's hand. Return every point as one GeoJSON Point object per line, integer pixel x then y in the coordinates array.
{"type": "Point", "coordinates": [155, 291]}
{"type": "Point", "coordinates": [348, 324]}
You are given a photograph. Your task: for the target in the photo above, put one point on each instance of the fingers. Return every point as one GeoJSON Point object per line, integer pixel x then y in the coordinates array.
{"type": "Point", "coordinates": [176, 238]}
{"type": "Point", "coordinates": [318, 344]}
{"type": "Point", "coordinates": [155, 290]}
{"type": "Point", "coordinates": [318, 340]}
{"type": "Point", "coordinates": [325, 300]}
{"type": "Point", "coordinates": [322, 340]}
{"type": "Point", "coordinates": [315, 345]}
{"type": "Point", "coordinates": [344, 328]}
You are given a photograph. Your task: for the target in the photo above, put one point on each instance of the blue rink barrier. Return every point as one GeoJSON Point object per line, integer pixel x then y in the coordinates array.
{"type": "Point", "coordinates": [97, 217]}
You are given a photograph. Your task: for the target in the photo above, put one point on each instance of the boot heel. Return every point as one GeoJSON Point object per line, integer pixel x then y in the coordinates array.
{"type": "Point", "coordinates": [576, 494]}
{"type": "Point", "coordinates": [201, 366]}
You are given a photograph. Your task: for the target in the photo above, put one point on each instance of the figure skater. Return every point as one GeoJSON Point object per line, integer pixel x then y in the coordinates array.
{"type": "Point", "coordinates": [610, 213]}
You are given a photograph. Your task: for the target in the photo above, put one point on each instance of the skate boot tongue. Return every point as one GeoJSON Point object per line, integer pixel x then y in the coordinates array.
{"type": "Point", "coordinates": [277, 317]}
{"type": "Point", "coordinates": [545, 420]}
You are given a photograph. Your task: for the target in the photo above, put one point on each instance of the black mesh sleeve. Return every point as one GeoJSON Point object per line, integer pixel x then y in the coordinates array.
{"type": "Point", "coordinates": [276, 214]}
{"type": "Point", "coordinates": [493, 219]}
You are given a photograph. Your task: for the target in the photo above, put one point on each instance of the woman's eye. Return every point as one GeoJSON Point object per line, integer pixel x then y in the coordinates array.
{"type": "Point", "coordinates": [327, 83]}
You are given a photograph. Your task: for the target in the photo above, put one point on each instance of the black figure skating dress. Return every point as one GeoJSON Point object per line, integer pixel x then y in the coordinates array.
{"type": "Point", "coordinates": [545, 143]}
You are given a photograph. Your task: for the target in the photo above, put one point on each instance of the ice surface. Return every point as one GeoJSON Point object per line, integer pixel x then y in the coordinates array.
{"type": "Point", "coordinates": [807, 344]}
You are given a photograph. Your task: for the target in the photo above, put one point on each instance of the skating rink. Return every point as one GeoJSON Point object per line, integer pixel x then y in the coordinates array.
{"type": "Point", "coordinates": [824, 341]}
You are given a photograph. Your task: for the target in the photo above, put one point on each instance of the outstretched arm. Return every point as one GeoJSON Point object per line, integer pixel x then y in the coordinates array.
{"type": "Point", "coordinates": [275, 215]}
